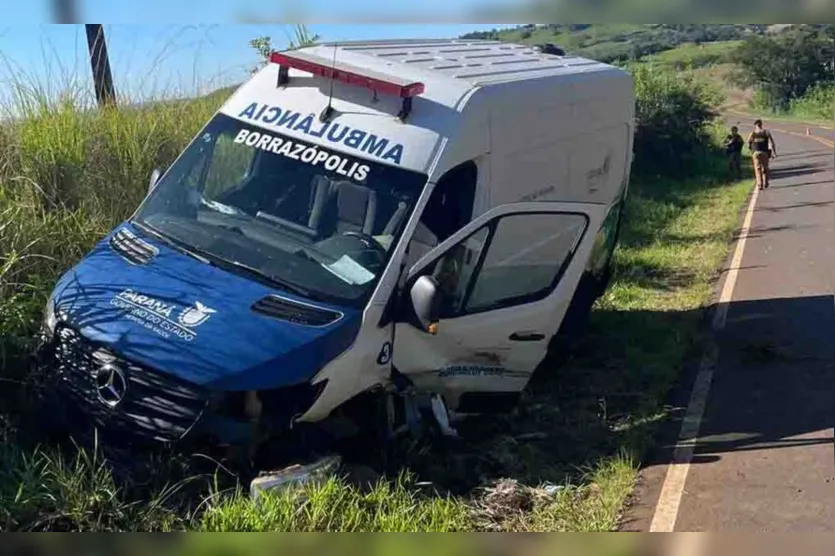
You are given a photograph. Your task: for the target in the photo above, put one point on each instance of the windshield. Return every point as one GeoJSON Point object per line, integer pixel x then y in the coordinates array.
{"type": "Point", "coordinates": [309, 220]}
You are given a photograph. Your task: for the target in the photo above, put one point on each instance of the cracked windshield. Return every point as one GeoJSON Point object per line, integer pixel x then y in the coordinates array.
{"type": "Point", "coordinates": [305, 219]}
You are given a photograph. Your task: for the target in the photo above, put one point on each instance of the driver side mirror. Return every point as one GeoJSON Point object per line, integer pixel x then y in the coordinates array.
{"type": "Point", "coordinates": [425, 297]}
{"type": "Point", "coordinates": [155, 176]}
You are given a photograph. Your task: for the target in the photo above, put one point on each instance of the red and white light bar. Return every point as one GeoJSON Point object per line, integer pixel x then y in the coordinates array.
{"type": "Point", "coordinates": [349, 74]}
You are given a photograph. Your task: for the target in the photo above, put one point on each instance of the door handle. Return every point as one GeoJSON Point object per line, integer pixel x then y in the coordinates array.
{"type": "Point", "coordinates": [527, 337]}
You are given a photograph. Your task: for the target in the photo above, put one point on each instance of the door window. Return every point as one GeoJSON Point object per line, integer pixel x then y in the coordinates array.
{"type": "Point", "coordinates": [448, 209]}
{"type": "Point", "coordinates": [513, 260]}
{"type": "Point", "coordinates": [454, 271]}
{"type": "Point", "coordinates": [526, 257]}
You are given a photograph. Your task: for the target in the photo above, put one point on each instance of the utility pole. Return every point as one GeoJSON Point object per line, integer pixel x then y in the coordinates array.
{"type": "Point", "coordinates": [100, 62]}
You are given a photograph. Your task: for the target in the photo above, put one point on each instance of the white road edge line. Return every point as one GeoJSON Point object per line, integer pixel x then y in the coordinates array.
{"type": "Point", "coordinates": [669, 501]}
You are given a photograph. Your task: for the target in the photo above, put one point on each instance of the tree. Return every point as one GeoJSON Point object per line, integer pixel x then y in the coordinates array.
{"type": "Point", "coordinates": [263, 45]}
{"type": "Point", "coordinates": [783, 68]}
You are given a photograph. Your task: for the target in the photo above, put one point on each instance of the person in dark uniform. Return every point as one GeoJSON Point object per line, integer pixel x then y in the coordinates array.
{"type": "Point", "coordinates": [763, 149]}
{"type": "Point", "coordinates": [733, 147]}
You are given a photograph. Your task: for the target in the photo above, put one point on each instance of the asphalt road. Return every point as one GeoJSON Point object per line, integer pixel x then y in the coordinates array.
{"type": "Point", "coordinates": [764, 458]}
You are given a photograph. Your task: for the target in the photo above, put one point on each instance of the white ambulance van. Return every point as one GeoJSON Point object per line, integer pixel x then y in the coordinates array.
{"type": "Point", "coordinates": [415, 218]}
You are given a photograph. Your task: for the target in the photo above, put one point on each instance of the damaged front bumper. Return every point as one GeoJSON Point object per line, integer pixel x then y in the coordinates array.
{"type": "Point", "coordinates": [91, 390]}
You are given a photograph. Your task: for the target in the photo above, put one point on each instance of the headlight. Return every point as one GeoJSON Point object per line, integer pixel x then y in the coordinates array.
{"type": "Point", "coordinates": [50, 320]}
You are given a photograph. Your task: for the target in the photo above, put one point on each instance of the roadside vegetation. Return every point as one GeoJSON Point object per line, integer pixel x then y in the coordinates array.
{"type": "Point", "coordinates": [799, 61]}
{"type": "Point", "coordinates": [779, 71]}
{"type": "Point", "coordinates": [623, 42]}
{"type": "Point", "coordinates": [690, 56]}
{"type": "Point", "coordinates": [817, 104]}
{"type": "Point", "coordinates": [566, 460]}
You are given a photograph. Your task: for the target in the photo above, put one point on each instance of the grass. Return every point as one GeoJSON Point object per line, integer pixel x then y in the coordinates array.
{"type": "Point", "coordinates": [817, 107]}
{"type": "Point", "coordinates": [566, 460]}
{"type": "Point", "coordinates": [629, 41]}
{"type": "Point", "coordinates": [813, 116]}
{"type": "Point", "coordinates": [692, 56]}
{"type": "Point", "coordinates": [334, 506]}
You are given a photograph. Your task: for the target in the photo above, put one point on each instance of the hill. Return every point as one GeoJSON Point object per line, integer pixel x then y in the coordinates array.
{"type": "Point", "coordinates": [708, 52]}
{"type": "Point", "coordinates": [622, 42]}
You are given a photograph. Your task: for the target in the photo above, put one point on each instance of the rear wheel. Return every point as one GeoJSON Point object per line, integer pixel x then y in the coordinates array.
{"type": "Point", "coordinates": [576, 318]}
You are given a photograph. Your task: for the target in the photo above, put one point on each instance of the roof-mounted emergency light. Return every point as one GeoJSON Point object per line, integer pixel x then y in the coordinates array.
{"type": "Point", "coordinates": [346, 73]}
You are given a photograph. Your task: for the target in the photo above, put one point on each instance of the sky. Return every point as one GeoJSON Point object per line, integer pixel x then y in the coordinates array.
{"type": "Point", "coordinates": [185, 55]}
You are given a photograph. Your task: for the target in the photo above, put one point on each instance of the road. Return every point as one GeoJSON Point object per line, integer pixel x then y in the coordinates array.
{"type": "Point", "coordinates": [761, 406]}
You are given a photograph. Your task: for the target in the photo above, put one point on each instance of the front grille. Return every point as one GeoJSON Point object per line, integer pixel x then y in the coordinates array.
{"type": "Point", "coordinates": [153, 407]}
{"type": "Point", "coordinates": [132, 248]}
{"type": "Point", "coordinates": [297, 313]}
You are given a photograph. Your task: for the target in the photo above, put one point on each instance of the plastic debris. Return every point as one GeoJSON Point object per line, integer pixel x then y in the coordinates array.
{"type": "Point", "coordinates": [313, 473]}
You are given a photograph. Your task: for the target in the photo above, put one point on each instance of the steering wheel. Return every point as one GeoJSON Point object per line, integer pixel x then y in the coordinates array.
{"type": "Point", "coordinates": [367, 240]}
{"type": "Point", "coordinates": [371, 244]}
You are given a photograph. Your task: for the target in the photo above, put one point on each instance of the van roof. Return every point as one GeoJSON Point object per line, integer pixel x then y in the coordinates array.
{"type": "Point", "coordinates": [477, 63]}
{"type": "Point", "coordinates": [451, 71]}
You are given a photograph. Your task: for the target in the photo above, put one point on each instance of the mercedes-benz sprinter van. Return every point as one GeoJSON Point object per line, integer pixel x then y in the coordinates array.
{"type": "Point", "coordinates": [395, 217]}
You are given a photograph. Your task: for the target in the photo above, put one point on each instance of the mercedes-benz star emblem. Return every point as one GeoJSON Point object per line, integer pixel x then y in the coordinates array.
{"type": "Point", "coordinates": [111, 384]}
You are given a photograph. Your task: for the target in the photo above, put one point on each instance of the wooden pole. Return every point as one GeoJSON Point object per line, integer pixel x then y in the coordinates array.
{"type": "Point", "coordinates": [102, 78]}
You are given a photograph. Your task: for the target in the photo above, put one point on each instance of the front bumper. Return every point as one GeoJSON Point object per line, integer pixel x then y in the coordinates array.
{"type": "Point", "coordinates": [93, 393]}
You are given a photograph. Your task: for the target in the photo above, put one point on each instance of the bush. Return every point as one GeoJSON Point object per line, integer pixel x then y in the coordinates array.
{"type": "Point", "coordinates": [674, 115]}
{"type": "Point", "coordinates": [817, 103]}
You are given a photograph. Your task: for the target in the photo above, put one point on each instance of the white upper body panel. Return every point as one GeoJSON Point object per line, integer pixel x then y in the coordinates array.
{"type": "Point", "coordinates": [480, 97]}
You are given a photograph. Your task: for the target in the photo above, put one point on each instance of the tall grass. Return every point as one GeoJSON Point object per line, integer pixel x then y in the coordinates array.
{"type": "Point", "coordinates": [68, 174]}
{"type": "Point", "coordinates": [817, 104]}
{"type": "Point", "coordinates": [335, 506]}
{"type": "Point", "coordinates": [690, 56]}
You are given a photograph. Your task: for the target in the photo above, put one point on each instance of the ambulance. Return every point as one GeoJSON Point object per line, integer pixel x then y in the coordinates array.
{"type": "Point", "coordinates": [405, 225]}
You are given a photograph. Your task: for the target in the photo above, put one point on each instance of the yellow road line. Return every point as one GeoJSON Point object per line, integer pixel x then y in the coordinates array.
{"type": "Point", "coordinates": [826, 142]}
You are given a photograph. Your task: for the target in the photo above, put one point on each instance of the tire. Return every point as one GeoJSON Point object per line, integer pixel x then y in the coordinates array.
{"type": "Point", "coordinates": [576, 317]}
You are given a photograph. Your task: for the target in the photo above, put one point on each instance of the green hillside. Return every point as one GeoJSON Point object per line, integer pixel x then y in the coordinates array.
{"type": "Point", "coordinates": [711, 53]}
{"type": "Point", "coordinates": [622, 41]}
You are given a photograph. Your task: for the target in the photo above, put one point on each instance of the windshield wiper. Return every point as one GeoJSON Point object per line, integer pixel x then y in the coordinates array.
{"type": "Point", "coordinates": [177, 244]}
{"type": "Point", "coordinates": [271, 278]}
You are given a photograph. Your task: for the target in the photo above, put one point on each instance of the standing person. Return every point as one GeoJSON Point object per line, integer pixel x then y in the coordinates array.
{"type": "Point", "coordinates": [763, 148]}
{"type": "Point", "coordinates": [733, 147]}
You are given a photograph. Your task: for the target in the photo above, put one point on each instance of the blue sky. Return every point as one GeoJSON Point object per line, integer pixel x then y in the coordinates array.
{"type": "Point", "coordinates": [217, 11]}
{"type": "Point", "coordinates": [147, 58]}
{"type": "Point", "coordinates": [189, 51]}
